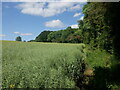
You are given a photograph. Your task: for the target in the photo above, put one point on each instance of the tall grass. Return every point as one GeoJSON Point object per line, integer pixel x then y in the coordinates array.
{"type": "Point", "coordinates": [98, 57]}
{"type": "Point", "coordinates": [41, 65]}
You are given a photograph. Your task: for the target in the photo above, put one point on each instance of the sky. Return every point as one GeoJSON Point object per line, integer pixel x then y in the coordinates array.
{"type": "Point", "coordinates": [29, 19]}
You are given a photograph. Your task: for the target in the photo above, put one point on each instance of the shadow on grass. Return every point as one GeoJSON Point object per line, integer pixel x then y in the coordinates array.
{"type": "Point", "coordinates": [104, 78]}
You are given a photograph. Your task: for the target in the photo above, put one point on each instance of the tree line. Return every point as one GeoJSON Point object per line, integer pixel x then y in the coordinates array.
{"type": "Point", "coordinates": [69, 35]}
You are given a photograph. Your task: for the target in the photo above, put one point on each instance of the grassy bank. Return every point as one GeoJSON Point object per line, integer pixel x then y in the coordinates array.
{"type": "Point", "coordinates": [102, 70]}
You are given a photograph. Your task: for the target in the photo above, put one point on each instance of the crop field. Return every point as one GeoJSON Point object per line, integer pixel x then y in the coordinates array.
{"type": "Point", "coordinates": [41, 65]}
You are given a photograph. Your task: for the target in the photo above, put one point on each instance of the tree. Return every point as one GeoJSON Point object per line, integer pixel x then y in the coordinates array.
{"type": "Point", "coordinates": [80, 25]}
{"type": "Point", "coordinates": [63, 36]}
{"type": "Point", "coordinates": [112, 19]}
{"type": "Point", "coordinates": [18, 38]}
{"type": "Point", "coordinates": [42, 37]}
{"type": "Point", "coordinates": [101, 26]}
{"type": "Point", "coordinates": [95, 31]}
{"type": "Point", "coordinates": [31, 41]}
{"type": "Point", "coordinates": [55, 36]}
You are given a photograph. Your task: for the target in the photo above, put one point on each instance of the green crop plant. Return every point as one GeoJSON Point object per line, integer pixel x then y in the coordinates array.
{"type": "Point", "coordinates": [41, 65]}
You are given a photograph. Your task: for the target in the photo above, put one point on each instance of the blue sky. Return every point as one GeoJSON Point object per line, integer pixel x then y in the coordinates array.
{"type": "Point", "coordinates": [29, 19]}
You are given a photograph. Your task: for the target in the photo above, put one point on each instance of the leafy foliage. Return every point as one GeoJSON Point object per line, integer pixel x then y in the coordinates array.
{"type": "Point", "coordinates": [94, 29]}
{"type": "Point", "coordinates": [31, 41]}
{"type": "Point", "coordinates": [112, 19]}
{"type": "Point", "coordinates": [68, 35]}
{"type": "Point", "coordinates": [18, 38]}
{"type": "Point", "coordinates": [100, 26]}
{"type": "Point", "coordinates": [42, 37]}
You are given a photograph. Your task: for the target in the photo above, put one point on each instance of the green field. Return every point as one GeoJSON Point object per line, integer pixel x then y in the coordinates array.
{"type": "Point", "coordinates": [41, 65]}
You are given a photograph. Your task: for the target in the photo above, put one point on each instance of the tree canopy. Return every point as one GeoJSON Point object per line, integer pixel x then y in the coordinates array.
{"type": "Point", "coordinates": [42, 37]}
{"type": "Point", "coordinates": [100, 26]}
{"type": "Point", "coordinates": [18, 38]}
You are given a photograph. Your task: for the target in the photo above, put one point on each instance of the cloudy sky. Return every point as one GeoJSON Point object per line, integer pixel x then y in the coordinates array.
{"type": "Point", "coordinates": [28, 19]}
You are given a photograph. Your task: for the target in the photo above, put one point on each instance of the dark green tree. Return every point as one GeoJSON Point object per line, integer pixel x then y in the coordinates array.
{"type": "Point", "coordinates": [112, 19]}
{"type": "Point", "coordinates": [42, 37]}
{"type": "Point", "coordinates": [31, 41]}
{"type": "Point", "coordinates": [64, 36]}
{"type": "Point", "coordinates": [18, 38]}
{"type": "Point", "coordinates": [95, 31]}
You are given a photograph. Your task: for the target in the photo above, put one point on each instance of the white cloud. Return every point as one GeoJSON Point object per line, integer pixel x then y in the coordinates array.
{"type": "Point", "coordinates": [82, 18]}
{"type": "Point", "coordinates": [2, 35]}
{"type": "Point", "coordinates": [44, 0]}
{"type": "Point", "coordinates": [74, 26]}
{"type": "Point", "coordinates": [76, 7]}
{"type": "Point", "coordinates": [77, 14]}
{"type": "Point", "coordinates": [26, 34]}
{"type": "Point", "coordinates": [16, 32]}
{"type": "Point", "coordinates": [47, 9]}
{"type": "Point", "coordinates": [54, 24]}
{"type": "Point", "coordinates": [23, 34]}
